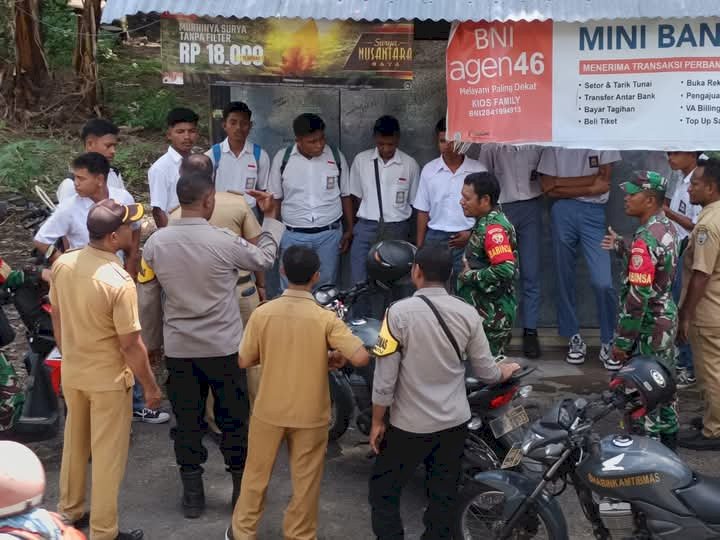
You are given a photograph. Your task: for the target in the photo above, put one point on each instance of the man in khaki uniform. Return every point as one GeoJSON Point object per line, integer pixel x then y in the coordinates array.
{"type": "Point", "coordinates": [290, 337]}
{"type": "Point", "coordinates": [188, 280]}
{"type": "Point", "coordinates": [96, 324]}
{"type": "Point", "coordinates": [700, 303]}
{"type": "Point", "coordinates": [233, 213]}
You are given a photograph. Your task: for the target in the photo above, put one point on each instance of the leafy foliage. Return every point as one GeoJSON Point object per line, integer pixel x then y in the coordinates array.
{"type": "Point", "coordinates": [27, 162]}
{"type": "Point", "coordinates": [58, 27]}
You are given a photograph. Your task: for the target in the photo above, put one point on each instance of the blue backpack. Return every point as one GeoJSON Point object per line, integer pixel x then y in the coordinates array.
{"type": "Point", "coordinates": [217, 155]}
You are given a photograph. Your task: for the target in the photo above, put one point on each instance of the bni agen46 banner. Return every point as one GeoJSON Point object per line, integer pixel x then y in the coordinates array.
{"type": "Point", "coordinates": [636, 84]}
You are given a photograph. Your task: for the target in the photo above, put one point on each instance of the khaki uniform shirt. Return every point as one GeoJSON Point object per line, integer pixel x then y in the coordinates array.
{"type": "Point", "coordinates": [418, 373]}
{"type": "Point", "coordinates": [196, 266]}
{"type": "Point", "coordinates": [97, 302]}
{"type": "Point", "coordinates": [703, 254]}
{"type": "Point", "coordinates": [290, 338]}
{"type": "Point", "coordinates": [233, 213]}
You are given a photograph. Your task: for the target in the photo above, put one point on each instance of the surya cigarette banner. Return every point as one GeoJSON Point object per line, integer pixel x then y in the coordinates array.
{"type": "Point", "coordinates": [288, 51]}
{"type": "Point", "coordinates": [637, 84]}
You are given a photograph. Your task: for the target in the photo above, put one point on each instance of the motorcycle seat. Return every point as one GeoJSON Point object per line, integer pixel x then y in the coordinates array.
{"type": "Point", "coordinates": [702, 498]}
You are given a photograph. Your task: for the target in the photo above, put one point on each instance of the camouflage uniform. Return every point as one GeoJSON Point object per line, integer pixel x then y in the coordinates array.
{"type": "Point", "coordinates": [11, 394]}
{"type": "Point", "coordinates": [648, 314]}
{"type": "Point", "coordinates": [489, 285]}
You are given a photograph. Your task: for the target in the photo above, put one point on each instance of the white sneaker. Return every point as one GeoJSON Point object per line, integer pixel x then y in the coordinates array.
{"type": "Point", "coordinates": [577, 350]}
{"type": "Point", "coordinates": [606, 357]}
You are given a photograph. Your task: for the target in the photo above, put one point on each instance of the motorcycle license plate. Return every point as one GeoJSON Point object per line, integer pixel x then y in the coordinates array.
{"type": "Point", "coordinates": [513, 419]}
{"type": "Point", "coordinates": [513, 457]}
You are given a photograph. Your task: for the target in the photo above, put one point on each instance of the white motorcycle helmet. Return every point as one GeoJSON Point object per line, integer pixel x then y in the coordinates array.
{"type": "Point", "coordinates": [22, 479]}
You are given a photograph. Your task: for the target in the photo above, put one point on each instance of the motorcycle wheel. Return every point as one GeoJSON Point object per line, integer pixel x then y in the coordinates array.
{"type": "Point", "coordinates": [477, 519]}
{"type": "Point", "coordinates": [342, 407]}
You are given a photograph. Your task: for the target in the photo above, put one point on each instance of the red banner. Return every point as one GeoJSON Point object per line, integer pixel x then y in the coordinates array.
{"type": "Point", "coordinates": [499, 81]}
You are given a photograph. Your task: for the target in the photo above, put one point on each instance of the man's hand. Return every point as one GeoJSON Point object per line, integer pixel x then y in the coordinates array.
{"type": "Point", "coordinates": [377, 434]}
{"type": "Point", "coordinates": [336, 360]}
{"type": "Point", "coordinates": [266, 202]}
{"type": "Point", "coordinates": [262, 294]}
{"type": "Point", "coordinates": [46, 275]}
{"type": "Point", "coordinates": [547, 183]}
{"type": "Point", "coordinates": [155, 356]}
{"type": "Point", "coordinates": [619, 355]}
{"type": "Point", "coordinates": [459, 239]}
{"type": "Point", "coordinates": [345, 242]}
{"type": "Point", "coordinates": [609, 240]}
{"type": "Point", "coordinates": [683, 329]}
{"type": "Point", "coordinates": [507, 369]}
{"type": "Point", "coordinates": [153, 397]}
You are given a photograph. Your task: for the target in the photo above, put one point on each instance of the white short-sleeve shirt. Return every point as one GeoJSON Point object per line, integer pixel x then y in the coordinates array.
{"type": "Point", "coordinates": [439, 194]}
{"type": "Point", "coordinates": [398, 185]}
{"type": "Point", "coordinates": [680, 203]}
{"type": "Point", "coordinates": [513, 166]}
{"type": "Point", "coordinates": [310, 189]}
{"type": "Point", "coordinates": [67, 187]}
{"type": "Point", "coordinates": [163, 178]}
{"type": "Point", "coordinates": [70, 219]}
{"type": "Point", "coordinates": [240, 173]}
{"type": "Point", "coordinates": [570, 162]}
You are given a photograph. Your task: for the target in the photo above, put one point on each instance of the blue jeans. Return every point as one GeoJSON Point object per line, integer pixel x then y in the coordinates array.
{"type": "Point", "coordinates": [685, 357]}
{"type": "Point", "coordinates": [526, 217]}
{"type": "Point", "coordinates": [326, 244]}
{"type": "Point", "coordinates": [442, 237]}
{"type": "Point", "coordinates": [366, 233]}
{"type": "Point", "coordinates": [581, 224]}
{"type": "Point", "coordinates": [138, 397]}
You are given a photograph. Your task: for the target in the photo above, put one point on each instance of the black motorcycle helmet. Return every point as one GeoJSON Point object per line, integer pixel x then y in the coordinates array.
{"type": "Point", "coordinates": [650, 379]}
{"type": "Point", "coordinates": [390, 260]}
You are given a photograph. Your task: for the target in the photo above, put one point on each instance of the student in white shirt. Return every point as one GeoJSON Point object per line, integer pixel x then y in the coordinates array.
{"type": "Point", "coordinates": [580, 181]}
{"type": "Point", "coordinates": [164, 173]}
{"type": "Point", "coordinates": [311, 179]}
{"type": "Point", "coordinates": [684, 215]}
{"type": "Point", "coordinates": [515, 167]}
{"type": "Point", "coordinates": [440, 218]}
{"type": "Point", "coordinates": [101, 136]}
{"type": "Point", "coordinates": [240, 165]}
{"type": "Point", "coordinates": [397, 177]}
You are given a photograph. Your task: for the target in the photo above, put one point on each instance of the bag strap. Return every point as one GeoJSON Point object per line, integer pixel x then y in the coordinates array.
{"type": "Point", "coordinates": [256, 154]}
{"type": "Point", "coordinates": [443, 325]}
{"type": "Point", "coordinates": [217, 154]}
{"type": "Point", "coordinates": [379, 198]}
{"type": "Point", "coordinates": [336, 157]}
{"type": "Point", "coordinates": [285, 159]}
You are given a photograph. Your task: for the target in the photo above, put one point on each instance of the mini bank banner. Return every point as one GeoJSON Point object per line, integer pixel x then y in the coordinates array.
{"type": "Point", "coordinates": [638, 84]}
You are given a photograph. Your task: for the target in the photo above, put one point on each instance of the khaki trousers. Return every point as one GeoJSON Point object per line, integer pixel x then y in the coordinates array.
{"type": "Point", "coordinates": [705, 344]}
{"type": "Point", "coordinates": [97, 423]}
{"type": "Point", "coordinates": [247, 306]}
{"type": "Point", "coordinates": [306, 449]}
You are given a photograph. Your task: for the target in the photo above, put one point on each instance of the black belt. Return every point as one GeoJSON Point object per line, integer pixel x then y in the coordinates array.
{"type": "Point", "coordinates": [314, 230]}
{"type": "Point", "coordinates": [245, 279]}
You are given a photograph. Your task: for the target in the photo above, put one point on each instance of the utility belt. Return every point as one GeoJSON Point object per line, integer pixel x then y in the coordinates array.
{"type": "Point", "coordinates": [314, 230]}
{"type": "Point", "coordinates": [244, 279]}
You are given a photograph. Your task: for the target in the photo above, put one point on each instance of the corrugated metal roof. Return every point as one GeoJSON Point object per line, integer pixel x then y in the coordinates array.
{"type": "Point", "coordinates": [450, 10]}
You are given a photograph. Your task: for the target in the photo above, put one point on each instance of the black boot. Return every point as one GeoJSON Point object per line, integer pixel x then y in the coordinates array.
{"type": "Point", "coordinates": [193, 499]}
{"type": "Point", "coordinates": [237, 481]}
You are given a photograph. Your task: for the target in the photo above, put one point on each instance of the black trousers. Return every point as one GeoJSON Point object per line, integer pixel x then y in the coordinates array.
{"type": "Point", "coordinates": [400, 455]}
{"type": "Point", "coordinates": [188, 384]}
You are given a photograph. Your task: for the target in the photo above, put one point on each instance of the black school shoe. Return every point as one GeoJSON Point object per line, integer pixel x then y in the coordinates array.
{"type": "Point", "coordinates": [531, 344]}
{"type": "Point", "coordinates": [695, 440]}
{"type": "Point", "coordinates": [135, 534]}
{"type": "Point", "coordinates": [83, 522]}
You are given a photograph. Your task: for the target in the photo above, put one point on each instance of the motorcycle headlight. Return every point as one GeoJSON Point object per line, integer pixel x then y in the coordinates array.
{"type": "Point", "coordinates": [325, 296]}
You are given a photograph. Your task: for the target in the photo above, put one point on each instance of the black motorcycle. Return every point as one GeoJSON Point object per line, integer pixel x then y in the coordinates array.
{"type": "Point", "coordinates": [629, 487]}
{"type": "Point", "coordinates": [499, 411]}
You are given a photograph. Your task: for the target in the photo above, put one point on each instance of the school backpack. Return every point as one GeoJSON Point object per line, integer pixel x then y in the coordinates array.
{"type": "Point", "coordinates": [217, 155]}
{"type": "Point", "coordinates": [335, 153]}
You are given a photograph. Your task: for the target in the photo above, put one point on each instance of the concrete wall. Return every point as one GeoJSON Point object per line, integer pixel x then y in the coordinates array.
{"type": "Point", "coordinates": [350, 114]}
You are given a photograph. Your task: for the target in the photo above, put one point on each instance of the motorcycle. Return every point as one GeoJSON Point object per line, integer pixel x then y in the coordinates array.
{"type": "Point", "coordinates": [497, 414]}
{"type": "Point", "coordinates": [628, 486]}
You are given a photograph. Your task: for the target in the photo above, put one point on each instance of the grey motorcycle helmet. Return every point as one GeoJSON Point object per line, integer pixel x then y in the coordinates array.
{"type": "Point", "coordinates": [652, 381]}
{"type": "Point", "coordinates": [390, 260]}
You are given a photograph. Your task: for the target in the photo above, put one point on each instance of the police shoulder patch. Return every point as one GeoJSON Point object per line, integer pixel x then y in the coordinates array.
{"type": "Point", "coordinates": [702, 236]}
{"type": "Point", "coordinates": [146, 274]}
{"type": "Point", "coordinates": [386, 342]}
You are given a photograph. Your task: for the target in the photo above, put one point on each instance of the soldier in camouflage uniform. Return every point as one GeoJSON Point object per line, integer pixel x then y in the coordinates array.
{"type": "Point", "coordinates": [11, 394]}
{"type": "Point", "coordinates": [491, 260]}
{"type": "Point", "coordinates": [647, 321]}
